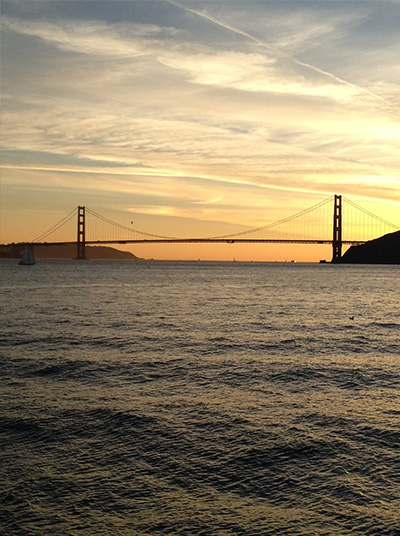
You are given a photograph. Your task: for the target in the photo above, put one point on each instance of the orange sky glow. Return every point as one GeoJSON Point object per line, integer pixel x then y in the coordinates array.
{"type": "Point", "coordinates": [198, 118]}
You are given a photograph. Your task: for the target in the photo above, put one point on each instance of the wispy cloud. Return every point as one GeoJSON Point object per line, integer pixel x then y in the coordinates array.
{"type": "Point", "coordinates": [281, 53]}
{"type": "Point", "coordinates": [95, 37]}
{"type": "Point", "coordinates": [206, 123]}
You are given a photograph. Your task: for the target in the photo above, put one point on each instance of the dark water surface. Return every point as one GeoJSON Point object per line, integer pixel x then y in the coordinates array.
{"type": "Point", "coordinates": [199, 399]}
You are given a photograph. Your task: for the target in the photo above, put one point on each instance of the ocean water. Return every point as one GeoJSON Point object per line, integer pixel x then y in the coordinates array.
{"type": "Point", "coordinates": [166, 398]}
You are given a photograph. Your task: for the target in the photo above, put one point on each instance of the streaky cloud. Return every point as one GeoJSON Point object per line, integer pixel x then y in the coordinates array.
{"type": "Point", "coordinates": [280, 53]}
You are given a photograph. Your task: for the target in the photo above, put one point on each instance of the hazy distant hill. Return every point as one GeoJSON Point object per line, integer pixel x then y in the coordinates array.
{"type": "Point", "coordinates": [67, 252]}
{"type": "Point", "coordinates": [383, 250]}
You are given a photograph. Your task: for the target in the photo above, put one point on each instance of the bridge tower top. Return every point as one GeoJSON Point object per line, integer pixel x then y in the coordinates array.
{"type": "Point", "coordinates": [81, 242]}
{"type": "Point", "coordinates": [337, 229]}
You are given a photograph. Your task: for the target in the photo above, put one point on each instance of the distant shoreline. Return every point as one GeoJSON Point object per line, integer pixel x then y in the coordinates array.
{"type": "Point", "coordinates": [65, 252]}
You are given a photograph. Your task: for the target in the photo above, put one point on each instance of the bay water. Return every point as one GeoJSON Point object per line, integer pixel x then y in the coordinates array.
{"type": "Point", "coordinates": [199, 398]}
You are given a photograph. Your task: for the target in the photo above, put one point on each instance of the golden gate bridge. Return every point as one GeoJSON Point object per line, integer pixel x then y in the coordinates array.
{"type": "Point", "coordinates": [334, 221]}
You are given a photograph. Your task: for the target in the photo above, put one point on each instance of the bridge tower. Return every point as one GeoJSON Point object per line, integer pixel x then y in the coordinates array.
{"type": "Point", "coordinates": [80, 243]}
{"type": "Point", "coordinates": [337, 229]}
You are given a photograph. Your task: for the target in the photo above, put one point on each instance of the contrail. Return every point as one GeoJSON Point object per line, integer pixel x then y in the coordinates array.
{"type": "Point", "coordinates": [278, 51]}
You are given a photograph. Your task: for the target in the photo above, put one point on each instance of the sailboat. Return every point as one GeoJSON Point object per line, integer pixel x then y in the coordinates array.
{"type": "Point", "coordinates": [27, 257]}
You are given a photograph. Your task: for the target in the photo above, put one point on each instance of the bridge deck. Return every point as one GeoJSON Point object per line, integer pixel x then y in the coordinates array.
{"type": "Point", "coordinates": [200, 241]}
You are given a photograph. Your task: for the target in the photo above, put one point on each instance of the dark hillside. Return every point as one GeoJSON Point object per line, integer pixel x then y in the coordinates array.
{"type": "Point", "coordinates": [383, 250]}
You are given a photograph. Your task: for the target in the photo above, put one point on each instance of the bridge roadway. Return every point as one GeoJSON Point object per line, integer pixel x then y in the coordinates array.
{"type": "Point", "coordinates": [201, 241]}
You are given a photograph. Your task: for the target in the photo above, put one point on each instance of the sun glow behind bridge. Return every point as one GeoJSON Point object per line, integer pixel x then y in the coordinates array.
{"type": "Point", "coordinates": [310, 226]}
{"type": "Point", "coordinates": [197, 117]}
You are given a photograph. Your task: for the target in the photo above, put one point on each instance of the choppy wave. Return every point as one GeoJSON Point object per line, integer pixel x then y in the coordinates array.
{"type": "Point", "coordinates": [148, 412]}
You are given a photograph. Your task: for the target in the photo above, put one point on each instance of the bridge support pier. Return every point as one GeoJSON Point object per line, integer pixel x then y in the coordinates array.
{"type": "Point", "coordinates": [337, 229]}
{"type": "Point", "coordinates": [80, 243]}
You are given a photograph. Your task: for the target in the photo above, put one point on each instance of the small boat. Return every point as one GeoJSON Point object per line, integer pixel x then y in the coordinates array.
{"type": "Point", "coordinates": [27, 257]}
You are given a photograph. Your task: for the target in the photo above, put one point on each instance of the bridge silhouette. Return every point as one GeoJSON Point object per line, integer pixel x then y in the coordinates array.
{"type": "Point", "coordinates": [336, 221]}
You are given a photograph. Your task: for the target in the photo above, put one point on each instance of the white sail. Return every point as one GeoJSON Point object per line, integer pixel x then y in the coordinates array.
{"type": "Point", "coordinates": [27, 257]}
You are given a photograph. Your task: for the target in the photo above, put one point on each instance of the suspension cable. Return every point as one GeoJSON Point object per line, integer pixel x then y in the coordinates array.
{"type": "Point", "coordinates": [56, 226]}
{"type": "Point", "coordinates": [279, 222]}
{"type": "Point", "coordinates": [370, 214]}
{"type": "Point", "coordinates": [125, 228]}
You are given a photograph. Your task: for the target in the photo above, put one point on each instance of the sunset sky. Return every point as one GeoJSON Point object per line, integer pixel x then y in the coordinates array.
{"type": "Point", "coordinates": [197, 117]}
